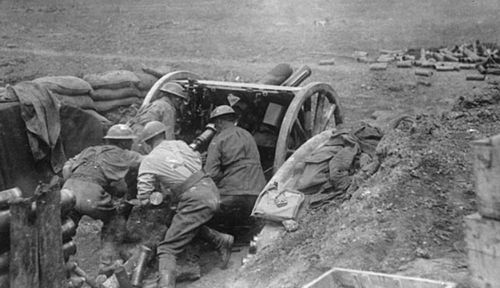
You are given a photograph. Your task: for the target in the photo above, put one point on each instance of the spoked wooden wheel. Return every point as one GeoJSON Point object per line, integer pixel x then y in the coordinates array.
{"type": "Point", "coordinates": [314, 109]}
{"type": "Point", "coordinates": [172, 76]}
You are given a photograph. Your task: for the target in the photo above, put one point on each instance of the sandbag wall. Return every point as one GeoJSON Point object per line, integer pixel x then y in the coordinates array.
{"type": "Point", "coordinates": [101, 92]}
{"type": "Point", "coordinates": [38, 225]}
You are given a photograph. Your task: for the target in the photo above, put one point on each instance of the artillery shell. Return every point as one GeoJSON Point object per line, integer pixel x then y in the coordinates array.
{"type": "Point", "coordinates": [428, 64]}
{"type": "Point", "coordinates": [68, 229]}
{"type": "Point", "coordinates": [138, 273]}
{"type": "Point", "coordinates": [423, 72]}
{"type": "Point", "coordinates": [122, 277]}
{"type": "Point", "coordinates": [378, 66]}
{"type": "Point", "coordinates": [404, 64]}
{"type": "Point", "coordinates": [438, 56]}
{"type": "Point", "coordinates": [8, 195]}
{"type": "Point", "coordinates": [424, 82]}
{"type": "Point", "coordinates": [450, 57]}
{"type": "Point", "coordinates": [69, 249]}
{"type": "Point", "coordinates": [68, 200]}
{"type": "Point", "coordinates": [5, 221]}
{"type": "Point", "coordinates": [446, 68]}
{"type": "Point", "coordinates": [466, 66]}
{"type": "Point", "coordinates": [475, 77]}
{"type": "Point", "coordinates": [327, 62]}
{"type": "Point", "coordinates": [4, 263]}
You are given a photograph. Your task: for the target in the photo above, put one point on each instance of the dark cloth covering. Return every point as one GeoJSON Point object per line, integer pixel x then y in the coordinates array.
{"type": "Point", "coordinates": [40, 112]}
{"type": "Point", "coordinates": [18, 167]}
{"type": "Point", "coordinates": [334, 168]}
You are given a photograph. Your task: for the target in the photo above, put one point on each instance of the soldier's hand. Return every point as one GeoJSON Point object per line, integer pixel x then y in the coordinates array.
{"type": "Point", "coordinates": [144, 202]}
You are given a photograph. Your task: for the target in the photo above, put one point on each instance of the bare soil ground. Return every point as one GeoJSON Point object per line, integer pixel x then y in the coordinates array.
{"type": "Point", "coordinates": [408, 217]}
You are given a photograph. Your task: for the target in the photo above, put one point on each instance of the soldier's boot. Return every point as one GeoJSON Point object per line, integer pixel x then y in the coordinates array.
{"type": "Point", "coordinates": [222, 242]}
{"type": "Point", "coordinates": [167, 265]}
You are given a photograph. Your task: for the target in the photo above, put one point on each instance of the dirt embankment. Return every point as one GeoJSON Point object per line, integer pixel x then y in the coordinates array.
{"type": "Point", "coordinates": [405, 219]}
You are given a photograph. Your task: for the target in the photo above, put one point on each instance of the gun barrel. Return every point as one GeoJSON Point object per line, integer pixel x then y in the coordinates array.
{"type": "Point", "coordinates": [298, 77]}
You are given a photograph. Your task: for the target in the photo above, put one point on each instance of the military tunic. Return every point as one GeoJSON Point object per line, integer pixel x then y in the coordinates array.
{"type": "Point", "coordinates": [233, 161]}
{"type": "Point", "coordinates": [177, 169]}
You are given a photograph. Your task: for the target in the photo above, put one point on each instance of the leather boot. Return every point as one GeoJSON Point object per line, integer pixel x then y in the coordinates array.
{"type": "Point", "coordinates": [222, 242]}
{"type": "Point", "coordinates": [167, 265]}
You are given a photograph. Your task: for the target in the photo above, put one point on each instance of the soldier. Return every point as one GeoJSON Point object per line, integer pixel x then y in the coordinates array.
{"type": "Point", "coordinates": [178, 170]}
{"type": "Point", "coordinates": [233, 161]}
{"type": "Point", "coordinates": [96, 177]}
{"type": "Point", "coordinates": [166, 109]}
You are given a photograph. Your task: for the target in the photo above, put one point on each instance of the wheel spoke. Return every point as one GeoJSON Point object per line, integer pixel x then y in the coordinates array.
{"type": "Point", "coordinates": [329, 117]}
{"type": "Point", "coordinates": [301, 132]}
{"type": "Point", "coordinates": [318, 114]}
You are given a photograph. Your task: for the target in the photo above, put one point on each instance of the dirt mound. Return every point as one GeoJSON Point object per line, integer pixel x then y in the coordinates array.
{"type": "Point", "coordinates": [405, 217]}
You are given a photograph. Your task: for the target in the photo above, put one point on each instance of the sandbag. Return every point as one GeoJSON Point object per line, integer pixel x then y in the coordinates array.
{"type": "Point", "coordinates": [115, 79]}
{"type": "Point", "coordinates": [102, 106]}
{"type": "Point", "coordinates": [147, 80]}
{"type": "Point", "coordinates": [158, 72]}
{"type": "Point", "coordinates": [7, 95]}
{"type": "Point", "coordinates": [65, 85]}
{"type": "Point", "coordinates": [82, 101]}
{"type": "Point", "coordinates": [114, 94]}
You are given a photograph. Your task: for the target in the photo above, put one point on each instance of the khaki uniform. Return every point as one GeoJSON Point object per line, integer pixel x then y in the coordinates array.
{"type": "Point", "coordinates": [233, 161]}
{"type": "Point", "coordinates": [162, 110]}
{"type": "Point", "coordinates": [174, 168]}
{"type": "Point", "coordinates": [93, 172]}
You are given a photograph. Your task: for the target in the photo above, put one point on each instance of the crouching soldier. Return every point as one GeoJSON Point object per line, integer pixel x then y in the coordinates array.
{"type": "Point", "coordinates": [166, 109]}
{"type": "Point", "coordinates": [177, 169]}
{"type": "Point", "coordinates": [96, 177]}
{"type": "Point", "coordinates": [233, 161]}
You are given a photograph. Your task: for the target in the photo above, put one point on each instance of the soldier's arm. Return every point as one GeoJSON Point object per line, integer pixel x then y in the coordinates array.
{"type": "Point", "coordinates": [68, 167]}
{"type": "Point", "coordinates": [145, 186]}
{"type": "Point", "coordinates": [213, 162]}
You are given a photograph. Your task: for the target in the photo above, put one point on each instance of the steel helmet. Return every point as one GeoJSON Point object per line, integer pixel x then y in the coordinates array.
{"type": "Point", "coordinates": [120, 131]}
{"type": "Point", "coordinates": [152, 129]}
{"type": "Point", "coordinates": [175, 89]}
{"type": "Point", "coordinates": [221, 110]}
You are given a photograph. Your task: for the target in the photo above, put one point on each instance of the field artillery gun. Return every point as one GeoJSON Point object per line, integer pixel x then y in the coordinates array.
{"type": "Point", "coordinates": [281, 116]}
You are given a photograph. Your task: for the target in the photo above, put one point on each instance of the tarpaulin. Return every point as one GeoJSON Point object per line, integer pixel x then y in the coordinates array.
{"type": "Point", "coordinates": [18, 166]}
{"type": "Point", "coordinates": [40, 112]}
{"type": "Point", "coordinates": [331, 166]}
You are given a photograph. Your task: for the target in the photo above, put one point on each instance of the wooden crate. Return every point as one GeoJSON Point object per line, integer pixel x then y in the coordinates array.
{"type": "Point", "coordinates": [487, 172]}
{"type": "Point", "coordinates": [483, 248]}
{"type": "Point", "coordinates": [340, 278]}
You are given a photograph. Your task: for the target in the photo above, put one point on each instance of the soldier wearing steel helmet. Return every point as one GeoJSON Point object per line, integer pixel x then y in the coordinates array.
{"type": "Point", "coordinates": [96, 177]}
{"type": "Point", "coordinates": [178, 170]}
{"type": "Point", "coordinates": [165, 109]}
{"type": "Point", "coordinates": [233, 161]}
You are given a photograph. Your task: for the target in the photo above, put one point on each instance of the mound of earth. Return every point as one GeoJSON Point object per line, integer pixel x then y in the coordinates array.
{"type": "Point", "coordinates": [406, 219]}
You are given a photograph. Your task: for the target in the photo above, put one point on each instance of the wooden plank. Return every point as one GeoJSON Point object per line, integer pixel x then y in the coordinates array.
{"type": "Point", "coordinates": [486, 170]}
{"type": "Point", "coordinates": [48, 220]}
{"type": "Point", "coordinates": [366, 279]}
{"type": "Point", "coordinates": [484, 269]}
{"type": "Point", "coordinates": [23, 266]}
{"type": "Point", "coordinates": [4, 281]}
{"type": "Point", "coordinates": [482, 236]}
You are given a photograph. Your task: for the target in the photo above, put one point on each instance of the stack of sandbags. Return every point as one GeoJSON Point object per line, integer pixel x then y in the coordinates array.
{"type": "Point", "coordinates": [113, 89]}
{"type": "Point", "coordinates": [147, 80]}
{"type": "Point", "coordinates": [70, 90]}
